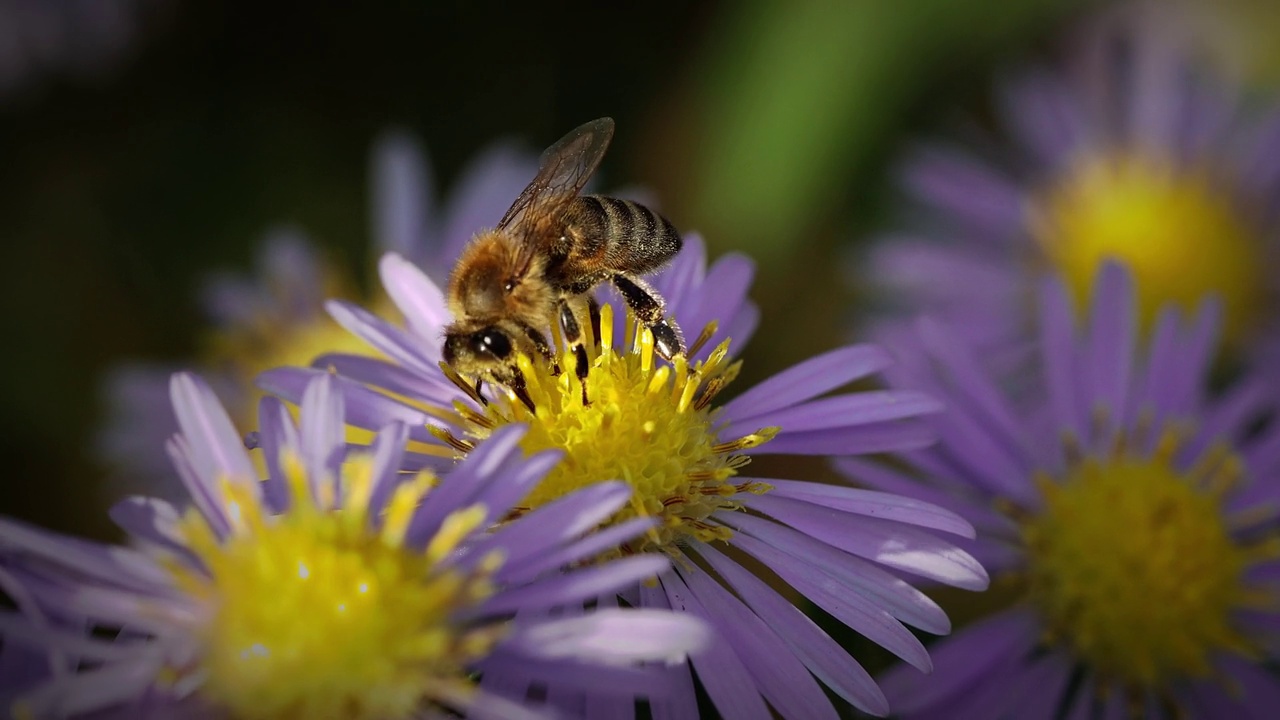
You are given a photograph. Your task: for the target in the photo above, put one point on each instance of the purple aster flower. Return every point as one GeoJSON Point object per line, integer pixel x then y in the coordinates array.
{"type": "Point", "coordinates": [1129, 517]}
{"type": "Point", "coordinates": [657, 427]}
{"type": "Point", "coordinates": [276, 316]}
{"type": "Point", "coordinates": [1130, 153]}
{"type": "Point", "coordinates": [338, 587]}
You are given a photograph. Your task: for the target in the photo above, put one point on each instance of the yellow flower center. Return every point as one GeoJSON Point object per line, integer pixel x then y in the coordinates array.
{"type": "Point", "coordinates": [1132, 565]}
{"type": "Point", "coordinates": [315, 614]}
{"type": "Point", "coordinates": [280, 340]}
{"type": "Point", "coordinates": [1179, 233]}
{"type": "Point", "coordinates": [646, 423]}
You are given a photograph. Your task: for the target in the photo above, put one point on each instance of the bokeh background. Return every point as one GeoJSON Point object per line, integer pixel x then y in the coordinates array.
{"type": "Point", "coordinates": [144, 143]}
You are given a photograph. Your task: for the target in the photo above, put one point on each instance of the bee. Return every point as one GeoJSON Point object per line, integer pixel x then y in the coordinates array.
{"type": "Point", "coordinates": [539, 266]}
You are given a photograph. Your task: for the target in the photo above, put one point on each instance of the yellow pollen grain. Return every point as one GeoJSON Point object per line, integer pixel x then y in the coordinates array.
{"type": "Point", "coordinates": [317, 613]}
{"type": "Point", "coordinates": [1134, 569]}
{"type": "Point", "coordinates": [1183, 238]}
{"type": "Point", "coordinates": [642, 425]}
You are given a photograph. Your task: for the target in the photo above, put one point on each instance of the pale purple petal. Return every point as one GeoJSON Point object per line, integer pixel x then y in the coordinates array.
{"type": "Point", "coordinates": [899, 546]}
{"type": "Point", "coordinates": [577, 586]}
{"type": "Point", "coordinates": [722, 674]}
{"type": "Point", "coordinates": [419, 299]}
{"type": "Point", "coordinates": [806, 380]}
{"type": "Point", "coordinates": [858, 440]}
{"type": "Point", "coordinates": [217, 450]}
{"type": "Point", "coordinates": [851, 608]}
{"type": "Point", "coordinates": [613, 637]}
{"type": "Point", "coordinates": [829, 662]}
{"type": "Point", "coordinates": [874, 504]}
{"type": "Point", "coordinates": [780, 676]}
{"type": "Point", "coordinates": [403, 192]}
{"type": "Point", "coordinates": [893, 594]}
{"type": "Point", "coordinates": [961, 662]}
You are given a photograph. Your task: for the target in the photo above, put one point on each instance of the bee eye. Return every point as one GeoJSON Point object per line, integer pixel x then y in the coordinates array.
{"type": "Point", "coordinates": [492, 342]}
{"type": "Point", "coordinates": [509, 285]}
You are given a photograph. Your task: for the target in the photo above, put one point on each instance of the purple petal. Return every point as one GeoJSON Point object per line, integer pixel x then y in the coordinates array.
{"type": "Point", "coordinates": [419, 299]}
{"type": "Point", "coordinates": [154, 521]}
{"type": "Point", "coordinates": [808, 379]}
{"type": "Point", "coordinates": [820, 654]}
{"type": "Point", "coordinates": [217, 450]}
{"type": "Point", "coordinates": [609, 538]}
{"type": "Point", "coordinates": [467, 485]}
{"type": "Point", "coordinates": [841, 411]}
{"type": "Point", "coordinates": [722, 674]}
{"type": "Point", "coordinates": [406, 349]}
{"type": "Point", "coordinates": [967, 190]}
{"type": "Point", "coordinates": [681, 703]}
{"type": "Point", "coordinates": [781, 677]}
{"type": "Point", "coordinates": [1108, 359]}
{"type": "Point", "coordinates": [577, 586]}
{"type": "Point", "coordinates": [434, 389]}
{"type": "Point", "coordinates": [909, 434]}
{"type": "Point", "coordinates": [387, 451]}
{"type": "Point", "coordinates": [962, 662]}
{"type": "Point", "coordinates": [1058, 357]}
{"type": "Point", "coordinates": [322, 432]}
{"type": "Point", "coordinates": [890, 592]}
{"type": "Point", "coordinates": [365, 408]}
{"type": "Point", "coordinates": [202, 493]}
{"type": "Point", "coordinates": [861, 613]}
{"type": "Point", "coordinates": [896, 545]}
{"type": "Point", "coordinates": [874, 504]}
{"type": "Point", "coordinates": [880, 477]}
{"type": "Point", "coordinates": [613, 637]}
{"type": "Point", "coordinates": [278, 434]}
{"type": "Point", "coordinates": [480, 196]}
{"type": "Point", "coordinates": [402, 195]}
{"type": "Point", "coordinates": [559, 521]}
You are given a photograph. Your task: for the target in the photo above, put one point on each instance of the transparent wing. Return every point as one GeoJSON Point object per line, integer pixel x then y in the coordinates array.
{"type": "Point", "coordinates": [563, 170]}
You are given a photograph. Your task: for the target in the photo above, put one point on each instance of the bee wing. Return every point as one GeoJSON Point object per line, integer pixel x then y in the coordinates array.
{"type": "Point", "coordinates": [562, 172]}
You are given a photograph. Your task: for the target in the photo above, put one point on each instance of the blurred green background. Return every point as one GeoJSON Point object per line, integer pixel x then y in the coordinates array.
{"type": "Point", "coordinates": [769, 126]}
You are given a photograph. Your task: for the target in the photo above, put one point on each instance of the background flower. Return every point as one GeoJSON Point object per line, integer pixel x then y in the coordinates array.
{"type": "Point", "coordinates": [1129, 151]}
{"type": "Point", "coordinates": [338, 587]}
{"type": "Point", "coordinates": [276, 316]}
{"type": "Point", "coordinates": [1129, 517]}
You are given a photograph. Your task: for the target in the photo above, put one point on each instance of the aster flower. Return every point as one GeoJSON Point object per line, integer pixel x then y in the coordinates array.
{"type": "Point", "coordinates": [657, 427]}
{"type": "Point", "coordinates": [1130, 153]}
{"type": "Point", "coordinates": [1130, 516]}
{"type": "Point", "coordinates": [338, 587]}
{"type": "Point", "coordinates": [276, 316]}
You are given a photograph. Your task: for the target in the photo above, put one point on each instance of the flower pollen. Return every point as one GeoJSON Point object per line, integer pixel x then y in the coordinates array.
{"type": "Point", "coordinates": [322, 612]}
{"type": "Point", "coordinates": [649, 424]}
{"type": "Point", "coordinates": [1133, 565]}
{"type": "Point", "coordinates": [1183, 238]}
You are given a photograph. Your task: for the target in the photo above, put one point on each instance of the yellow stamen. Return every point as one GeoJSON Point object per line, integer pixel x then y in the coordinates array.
{"type": "Point", "coordinates": [316, 613]}
{"type": "Point", "coordinates": [1134, 568]}
{"type": "Point", "coordinates": [1180, 234]}
{"type": "Point", "coordinates": [646, 423]}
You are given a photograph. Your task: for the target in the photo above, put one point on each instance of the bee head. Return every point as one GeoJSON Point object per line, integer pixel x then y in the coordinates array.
{"type": "Point", "coordinates": [485, 347]}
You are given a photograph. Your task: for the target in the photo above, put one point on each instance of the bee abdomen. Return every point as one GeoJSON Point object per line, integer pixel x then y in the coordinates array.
{"type": "Point", "coordinates": [641, 239]}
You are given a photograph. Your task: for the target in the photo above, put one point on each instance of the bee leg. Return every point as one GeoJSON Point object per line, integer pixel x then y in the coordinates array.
{"type": "Point", "coordinates": [593, 309]}
{"type": "Point", "coordinates": [514, 380]}
{"type": "Point", "coordinates": [645, 302]}
{"type": "Point", "coordinates": [479, 393]}
{"type": "Point", "coordinates": [540, 344]}
{"type": "Point", "coordinates": [573, 336]}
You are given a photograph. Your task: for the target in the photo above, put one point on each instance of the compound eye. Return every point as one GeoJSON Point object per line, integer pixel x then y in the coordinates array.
{"type": "Point", "coordinates": [492, 342]}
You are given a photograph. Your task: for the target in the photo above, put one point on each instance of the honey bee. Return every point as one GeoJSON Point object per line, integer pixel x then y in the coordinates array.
{"type": "Point", "coordinates": [542, 261]}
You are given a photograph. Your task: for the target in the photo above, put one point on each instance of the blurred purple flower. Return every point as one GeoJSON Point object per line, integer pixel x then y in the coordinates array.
{"type": "Point", "coordinates": [338, 587]}
{"type": "Point", "coordinates": [1130, 515]}
{"type": "Point", "coordinates": [657, 426]}
{"type": "Point", "coordinates": [1131, 153]}
{"type": "Point", "coordinates": [276, 316]}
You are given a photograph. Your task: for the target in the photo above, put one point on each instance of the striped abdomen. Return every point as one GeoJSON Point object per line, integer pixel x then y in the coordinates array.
{"type": "Point", "coordinates": [621, 235]}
